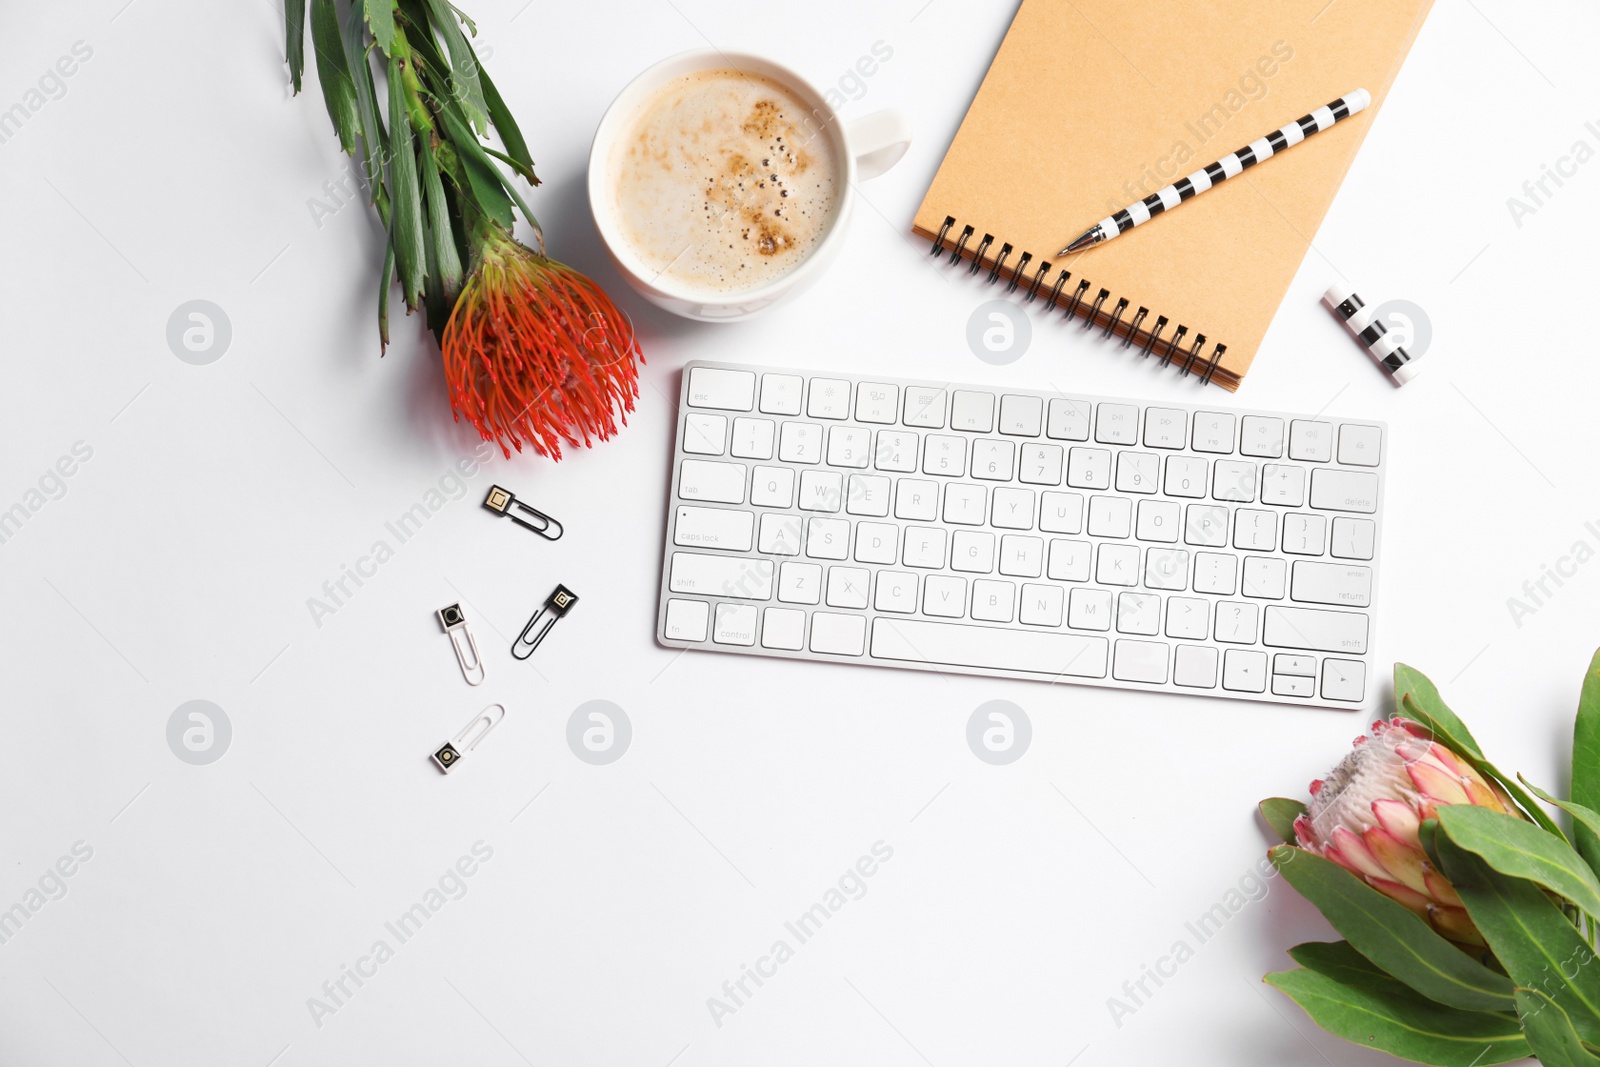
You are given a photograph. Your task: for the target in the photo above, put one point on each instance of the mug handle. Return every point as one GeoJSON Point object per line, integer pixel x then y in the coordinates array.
{"type": "Point", "coordinates": [878, 141]}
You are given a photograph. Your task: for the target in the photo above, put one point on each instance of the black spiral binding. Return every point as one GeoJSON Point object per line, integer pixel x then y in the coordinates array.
{"type": "Point", "coordinates": [1190, 360]}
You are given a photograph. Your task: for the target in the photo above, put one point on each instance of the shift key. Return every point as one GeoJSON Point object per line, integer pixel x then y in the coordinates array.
{"type": "Point", "coordinates": [737, 577]}
{"type": "Point", "coordinates": [1321, 631]}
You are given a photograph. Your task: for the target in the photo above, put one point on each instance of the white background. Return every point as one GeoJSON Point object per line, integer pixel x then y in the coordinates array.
{"type": "Point", "coordinates": [218, 499]}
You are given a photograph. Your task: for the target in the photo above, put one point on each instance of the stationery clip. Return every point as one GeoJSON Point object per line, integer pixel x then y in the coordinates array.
{"type": "Point", "coordinates": [555, 606]}
{"type": "Point", "coordinates": [501, 501]}
{"type": "Point", "coordinates": [452, 751]}
{"type": "Point", "coordinates": [461, 639]}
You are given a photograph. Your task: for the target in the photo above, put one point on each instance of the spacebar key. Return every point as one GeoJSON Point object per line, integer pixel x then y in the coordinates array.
{"type": "Point", "coordinates": [987, 647]}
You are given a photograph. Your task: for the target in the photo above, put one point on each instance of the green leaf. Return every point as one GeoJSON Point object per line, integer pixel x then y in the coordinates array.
{"type": "Point", "coordinates": [1403, 1024]}
{"type": "Point", "coordinates": [465, 88]}
{"type": "Point", "coordinates": [372, 131]}
{"type": "Point", "coordinates": [1280, 813]}
{"type": "Point", "coordinates": [380, 17]}
{"type": "Point", "coordinates": [489, 187]}
{"type": "Point", "coordinates": [1550, 1032]}
{"type": "Point", "coordinates": [1584, 819]}
{"type": "Point", "coordinates": [1532, 938]}
{"type": "Point", "coordinates": [1391, 936]}
{"type": "Point", "coordinates": [1340, 960]}
{"type": "Point", "coordinates": [1521, 849]}
{"type": "Point", "coordinates": [506, 127]}
{"type": "Point", "coordinates": [294, 39]}
{"type": "Point", "coordinates": [1429, 708]}
{"type": "Point", "coordinates": [444, 264]}
{"type": "Point", "coordinates": [385, 281]}
{"type": "Point", "coordinates": [333, 71]}
{"type": "Point", "coordinates": [1586, 759]}
{"type": "Point", "coordinates": [406, 207]}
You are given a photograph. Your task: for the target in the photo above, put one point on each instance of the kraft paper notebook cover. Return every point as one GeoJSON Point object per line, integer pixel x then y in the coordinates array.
{"type": "Point", "coordinates": [1092, 104]}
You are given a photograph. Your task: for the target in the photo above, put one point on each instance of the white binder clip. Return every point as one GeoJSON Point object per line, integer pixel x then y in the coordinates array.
{"type": "Point", "coordinates": [461, 639]}
{"type": "Point", "coordinates": [468, 739]}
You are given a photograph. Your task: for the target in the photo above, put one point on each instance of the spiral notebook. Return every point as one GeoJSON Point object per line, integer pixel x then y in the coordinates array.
{"type": "Point", "coordinates": [1092, 104]}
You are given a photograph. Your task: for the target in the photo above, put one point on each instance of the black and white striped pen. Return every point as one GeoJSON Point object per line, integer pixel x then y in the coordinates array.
{"type": "Point", "coordinates": [1218, 172]}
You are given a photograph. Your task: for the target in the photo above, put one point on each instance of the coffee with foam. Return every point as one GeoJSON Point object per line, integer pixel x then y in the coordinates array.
{"type": "Point", "coordinates": [724, 182]}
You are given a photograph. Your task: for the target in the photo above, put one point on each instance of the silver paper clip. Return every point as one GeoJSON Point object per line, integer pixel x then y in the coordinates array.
{"type": "Point", "coordinates": [501, 501]}
{"type": "Point", "coordinates": [461, 639]}
{"type": "Point", "coordinates": [555, 606]}
{"type": "Point", "coordinates": [468, 739]}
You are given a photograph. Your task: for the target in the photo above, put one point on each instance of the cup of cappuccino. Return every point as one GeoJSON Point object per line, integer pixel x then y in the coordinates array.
{"type": "Point", "coordinates": [722, 182]}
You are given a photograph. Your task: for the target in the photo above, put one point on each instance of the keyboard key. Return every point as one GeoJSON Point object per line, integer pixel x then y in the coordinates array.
{"type": "Point", "coordinates": [924, 407]}
{"type": "Point", "coordinates": [1205, 526]}
{"type": "Point", "coordinates": [718, 483]}
{"type": "Point", "coordinates": [828, 538]}
{"type": "Point", "coordinates": [1140, 661]}
{"type": "Point", "coordinates": [829, 399]}
{"type": "Point", "coordinates": [1089, 609]}
{"type": "Point", "coordinates": [729, 390]}
{"type": "Point", "coordinates": [1303, 666]}
{"type": "Point", "coordinates": [1041, 464]}
{"type": "Point", "coordinates": [1255, 530]}
{"type": "Point", "coordinates": [1283, 485]}
{"type": "Point", "coordinates": [1069, 560]}
{"type": "Point", "coordinates": [780, 394]}
{"type": "Point", "coordinates": [1353, 538]}
{"type": "Point", "coordinates": [1264, 577]}
{"type": "Point", "coordinates": [897, 591]}
{"type": "Point", "coordinates": [1286, 685]}
{"type": "Point", "coordinates": [1138, 472]}
{"type": "Point", "coordinates": [1336, 490]}
{"type": "Point", "coordinates": [821, 491]}
{"type": "Point", "coordinates": [1041, 605]}
{"type": "Point", "coordinates": [916, 500]}
{"type": "Point", "coordinates": [944, 595]}
{"type": "Point", "coordinates": [1069, 420]}
{"type": "Point", "coordinates": [1261, 435]}
{"type": "Point", "coordinates": [1213, 432]}
{"type": "Point", "coordinates": [1310, 442]}
{"type": "Point", "coordinates": [924, 547]}
{"type": "Point", "coordinates": [1315, 629]}
{"type": "Point", "coordinates": [1089, 468]}
{"type": "Point", "coordinates": [1306, 535]}
{"type": "Point", "coordinates": [1343, 679]}
{"type": "Point", "coordinates": [993, 601]}
{"type": "Point", "coordinates": [1360, 446]}
{"type": "Point", "coordinates": [753, 438]}
{"type": "Point", "coordinates": [783, 628]}
{"type": "Point", "coordinates": [772, 487]}
{"type": "Point", "coordinates": [847, 587]}
{"type": "Point", "coordinates": [799, 583]}
{"type": "Point", "coordinates": [964, 503]}
{"type": "Point", "coordinates": [1110, 516]}
{"type": "Point", "coordinates": [971, 410]}
{"type": "Point", "coordinates": [1165, 428]}
{"type": "Point", "coordinates": [1116, 424]}
{"type": "Point", "coordinates": [942, 454]}
{"type": "Point", "coordinates": [1021, 416]}
{"type": "Point", "coordinates": [896, 451]}
{"type": "Point", "coordinates": [687, 620]}
{"type": "Point", "coordinates": [1061, 513]}
{"type": "Point", "coordinates": [736, 624]}
{"type": "Point", "coordinates": [867, 494]}
{"type": "Point", "coordinates": [1159, 520]}
{"type": "Point", "coordinates": [877, 403]}
{"type": "Point", "coordinates": [1189, 617]}
{"type": "Point", "coordinates": [1195, 667]}
{"type": "Point", "coordinates": [1166, 568]}
{"type": "Point", "coordinates": [1117, 565]}
{"type": "Point", "coordinates": [780, 535]}
{"type": "Point", "coordinates": [876, 542]}
{"type": "Point", "coordinates": [849, 446]}
{"type": "Point", "coordinates": [1186, 476]}
{"type": "Point", "coordinates": [838, 635]}
{"type": "Point", "coordinates": [1244, 671]}
{"type": "Point", "coordinates": [705, 435]}
{"type": "Point", "coordinates": [736, 577]}
{"type": "Point", "coordinates": [732, 531]}
{"type": "Point", "coordinates": [1012, 509]}
{"type": "Point", "coordinates": [972, 551]}
{"type": "Point", "coordinates": [1021, 557]}
{"type": "Point", "coordinates": [1139, 613]}
{"type": "Point", "coordinates": [1342, 584]}
{"type": "Point", "coordinates": [800, 442]}
{"type": "Point", "coordinates": [1233, 479]}
{"type": "Point", "coordinates": [1236, 625]}
{"type": "Point", "coordinates": [993, 460]}
{"type": "Point", "coordinates": [990, 647]}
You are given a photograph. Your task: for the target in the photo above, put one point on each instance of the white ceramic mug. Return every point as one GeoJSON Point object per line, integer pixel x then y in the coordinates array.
{"type": "Point", "coordinates": [867, 147]}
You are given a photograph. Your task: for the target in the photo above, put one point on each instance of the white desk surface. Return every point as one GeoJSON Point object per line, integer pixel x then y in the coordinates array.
{"type": "Point", "coordinates": [619, 898]}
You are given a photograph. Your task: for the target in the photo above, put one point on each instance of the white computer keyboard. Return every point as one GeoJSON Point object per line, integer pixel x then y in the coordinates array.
{"type": "Point", "coordinates": [1023, 534]}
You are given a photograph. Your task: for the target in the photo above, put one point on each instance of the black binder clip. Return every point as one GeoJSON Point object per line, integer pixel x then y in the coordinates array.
{"type": "Point", "coordinates": [555, 606]}
{"type": "Point", "coordinates": [501, 501]}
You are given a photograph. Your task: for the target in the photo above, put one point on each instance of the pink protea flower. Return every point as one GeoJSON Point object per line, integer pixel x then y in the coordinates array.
{"type": "Point", "coordinates": [1365, 816]}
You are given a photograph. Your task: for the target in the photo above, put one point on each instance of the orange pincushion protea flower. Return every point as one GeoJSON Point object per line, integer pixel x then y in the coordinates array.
{"type": "Point", "coordinates": [535, 352]}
